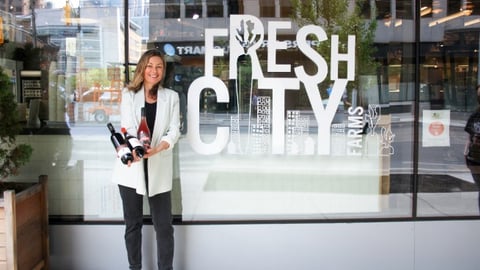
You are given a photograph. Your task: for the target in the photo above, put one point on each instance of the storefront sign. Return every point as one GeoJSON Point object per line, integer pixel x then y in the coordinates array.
{"type": "Point", "coordinates": [246, 36]}
{"type": "Point", "coordinates": [194, 49]}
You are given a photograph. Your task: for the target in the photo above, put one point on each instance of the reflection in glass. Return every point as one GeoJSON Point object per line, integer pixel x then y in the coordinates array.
{"type": "Point", "coordinates": [472, 147]}
{"type": "Point", "coordinates": [68, 61]}
{"type": "Point", "coordinates": [448, 79]}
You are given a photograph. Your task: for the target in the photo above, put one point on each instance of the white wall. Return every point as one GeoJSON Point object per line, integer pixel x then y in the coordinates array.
{"type": "Point", "coordinates": [388, 245]}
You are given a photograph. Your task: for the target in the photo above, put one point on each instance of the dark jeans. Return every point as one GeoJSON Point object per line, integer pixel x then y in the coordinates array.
{"type": "Point", "coordinates": [475, 170]}
{"type": "Point", "coordinates": [160, 208]}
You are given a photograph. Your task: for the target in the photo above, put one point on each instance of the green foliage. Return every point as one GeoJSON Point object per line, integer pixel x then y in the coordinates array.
{"type": "Point", "coordinates": [365, 34]}
{"type": "Point", "coordinates": [12, 155]}
{"type": "Point", "coordinates": [97, 76]}
{"type": "Point", "coordinates": [336, 18]}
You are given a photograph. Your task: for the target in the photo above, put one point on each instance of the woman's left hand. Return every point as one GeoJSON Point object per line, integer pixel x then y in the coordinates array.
{"type": "Point", "coordinates": [157, 149]}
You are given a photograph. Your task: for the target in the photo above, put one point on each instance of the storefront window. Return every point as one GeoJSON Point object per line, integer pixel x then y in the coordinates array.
{"type": "Point", "coordinates": [215, 8]}
{"type": "Point", "coordinates": [193, 9]}
{"type": "Point", "coordinates": [172, 9]}
{"type": "Point", "coordinates": [383, 9]}
{"type": "Point", "coordinates": [267, 8]}
{"type": "Point", "coordinates": [348, 113]}
{"type": "Point", "coordinates": [454, 7]}
{"type": "Point", "coordinates": [285, 8]}
{"type": "Point", "coordinates": [448, 80]}
{"type": "Point", "coordinates": [404, 9]}
{"type": "Point", "coordinates": [474, 5]}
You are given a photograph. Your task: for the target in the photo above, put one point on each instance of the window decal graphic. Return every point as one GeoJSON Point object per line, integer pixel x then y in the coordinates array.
{"type": "Point", "coordinates": [261, 124]}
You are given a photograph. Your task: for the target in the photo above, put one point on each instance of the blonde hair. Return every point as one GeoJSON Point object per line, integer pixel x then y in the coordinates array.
{"type": "Point", "coordinates": [137, 81]}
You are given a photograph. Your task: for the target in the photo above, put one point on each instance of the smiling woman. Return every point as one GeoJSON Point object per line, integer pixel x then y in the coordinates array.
{"type": "Point", "coordinates": [146, 100]}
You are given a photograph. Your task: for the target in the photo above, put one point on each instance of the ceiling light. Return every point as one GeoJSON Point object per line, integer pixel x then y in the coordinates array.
{"type": "Point", "coordinates": [466, 12]}
{"type": "Point", "coordinates": [475, 21]}
{"type": "Point", "coordinates": [425, 11]}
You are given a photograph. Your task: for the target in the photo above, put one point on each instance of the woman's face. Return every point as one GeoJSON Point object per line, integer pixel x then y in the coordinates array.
{"type": "Point", "coordinates": [153, 72]}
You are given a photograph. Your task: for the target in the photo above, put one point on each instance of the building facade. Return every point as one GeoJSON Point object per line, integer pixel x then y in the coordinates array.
{"type": "Point", "coordinates": [292, 111]}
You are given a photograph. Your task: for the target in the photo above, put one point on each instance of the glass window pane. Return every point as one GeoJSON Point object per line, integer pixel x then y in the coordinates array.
{"type": "Point", "coordinates": [193, 8]}
{"type": "Point", "coordinates": [273, 127]}
{"type": "Point", "coordinates": [383, 9]}
{"type": "Point", "coordinates": [267, 8]}
{"type": "Point", "coordinates": [404, 9]}
{"type": "Point", "coordinates": [285, 8]}
{"type": "Point", "coordinates": [235, 6]}
{"type": "Point", "coordinates": [474, 5]}
{"type": "Point", "coordinates": [66, 62]}
{"type": "Point", "coordinates": [277, 163]}
{"type": "Point", "coordinates": [448, 79]}
{"type": "Point", "coordinates": [365, 9]}
{"type": "Point", "coordinates": [454, 7]}
{"type": "Point", "coordinates": [215, 8]}
{"type": "Point", "coordinates": [172, 8]}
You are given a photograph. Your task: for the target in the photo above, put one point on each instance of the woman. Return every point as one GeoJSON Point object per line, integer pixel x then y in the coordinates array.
{"type": "Point", "coordinates": [472, 149]}
{"type": "Point", "coordinates": [152, 175]}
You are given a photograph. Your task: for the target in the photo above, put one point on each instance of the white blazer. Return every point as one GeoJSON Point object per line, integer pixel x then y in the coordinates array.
{"type": "Point", "coordinates": [167, 128]}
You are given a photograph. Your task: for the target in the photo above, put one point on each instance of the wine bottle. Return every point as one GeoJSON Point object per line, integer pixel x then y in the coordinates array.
{"type": "Point", "coordinates": [143, 132]}
{"type": "Point", "coordinates": [123, 152]}
{"type": "Point", "coordinates": [133, 143]}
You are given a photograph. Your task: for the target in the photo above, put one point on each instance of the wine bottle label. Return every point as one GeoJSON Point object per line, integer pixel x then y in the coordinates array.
{"type": "Point", "coordinates": [122, 150]}
{"type": "Point", "coordinates": [134, 142]}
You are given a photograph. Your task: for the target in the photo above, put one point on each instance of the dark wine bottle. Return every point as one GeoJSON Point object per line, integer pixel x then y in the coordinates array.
{"type": "Point", "coordinates": [133, 143]}
{"type": "Point", "coordinates": [123, 152]}
{"type": "Point", "coordinates": [143, 132]}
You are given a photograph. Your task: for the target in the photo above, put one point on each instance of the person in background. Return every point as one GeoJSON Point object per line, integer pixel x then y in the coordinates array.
{"type": "Point", "coordinates": [152, 175]}
{"type": "Point", "coordinates": [472, 147]}
{"type": "Point", "coordinates": [329, 89]}
{"type": "Point", "coordinates": [345, 101]}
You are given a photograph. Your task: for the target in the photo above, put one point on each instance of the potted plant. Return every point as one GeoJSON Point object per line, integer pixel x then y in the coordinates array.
{"type": "Point", "coordinates": [23, 206]}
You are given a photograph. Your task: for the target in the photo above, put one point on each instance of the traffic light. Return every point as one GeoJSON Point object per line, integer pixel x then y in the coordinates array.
{"type": "Point", "coordinates": [1, 31]}
{"type": "Point", "coordinates": [68, 13]}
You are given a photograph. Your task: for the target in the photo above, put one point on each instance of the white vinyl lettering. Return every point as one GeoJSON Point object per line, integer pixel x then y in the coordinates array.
{"type": "Point", "coordinates": [246, 36]}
